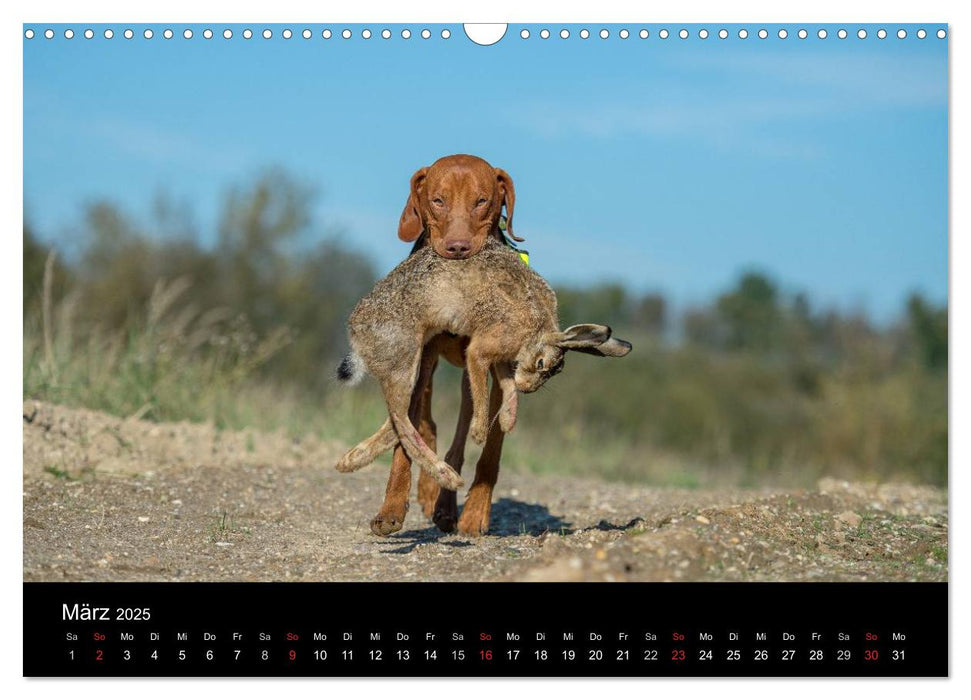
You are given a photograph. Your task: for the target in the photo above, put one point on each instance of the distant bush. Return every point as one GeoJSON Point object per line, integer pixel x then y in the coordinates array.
{"type": "Point", "coordinates": [271, 265]}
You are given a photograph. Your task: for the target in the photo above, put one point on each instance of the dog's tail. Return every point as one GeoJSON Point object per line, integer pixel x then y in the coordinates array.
{"type": "Point", "coordinates": [351, 370]}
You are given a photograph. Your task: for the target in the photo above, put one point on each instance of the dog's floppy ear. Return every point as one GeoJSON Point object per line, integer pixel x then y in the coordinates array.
{"type": "Point", "coordinates": [508, 194]}
{"type": "Point", "coordinates": [410, 226]}
{"type": "Point", "coordinates": [593, 339]}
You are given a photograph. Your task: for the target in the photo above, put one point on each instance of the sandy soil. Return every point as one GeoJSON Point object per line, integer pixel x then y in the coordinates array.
{"type": "Point", "coordinates": [110, 499]}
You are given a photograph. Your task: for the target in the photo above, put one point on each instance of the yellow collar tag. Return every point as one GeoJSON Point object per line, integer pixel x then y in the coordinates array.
{"type": "Point", "coordinates": [524, 256]}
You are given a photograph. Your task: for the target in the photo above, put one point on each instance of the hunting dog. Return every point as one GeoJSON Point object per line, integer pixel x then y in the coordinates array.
{"type": "Point", "coordinates": [497, 315]}
{"type": "Point", "coordinates": [453, 206]}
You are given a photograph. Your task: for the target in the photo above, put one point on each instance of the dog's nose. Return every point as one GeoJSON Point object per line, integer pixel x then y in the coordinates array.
{"type": "Point", "coordinates": [458, 248]}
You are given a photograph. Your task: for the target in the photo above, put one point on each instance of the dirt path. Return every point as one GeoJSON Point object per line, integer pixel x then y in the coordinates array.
{"type": "Point", "coordinates": [108, 499]}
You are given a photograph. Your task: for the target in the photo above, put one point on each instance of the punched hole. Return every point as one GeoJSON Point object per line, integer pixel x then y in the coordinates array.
{"type": "Point", "coordinates": [487, 34]}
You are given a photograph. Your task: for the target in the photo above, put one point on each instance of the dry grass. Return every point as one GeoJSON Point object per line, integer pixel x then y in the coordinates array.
{"type": "Point", "coordinates": [668, 416]}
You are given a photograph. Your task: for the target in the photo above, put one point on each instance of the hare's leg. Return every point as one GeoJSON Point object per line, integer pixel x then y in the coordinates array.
{"type": "Point", "coordinates": [503, 374]}
{"type": "Point", "coordinates": [478, 504]}
{"type": "Point", "coordinates": [369, 449]}
{"type": "Point", "coordinates": [398, 387]}
{"type": "Point", "coordinates": [419, 452]}
{"type": "Point", "coordinates": [446, 510]}
{"type": "Point", "coordinates": [477, 366]}
{"type": "Point", "coordinates": [428, 489]}
{"type": "Point", "coordinates": [391, 516]}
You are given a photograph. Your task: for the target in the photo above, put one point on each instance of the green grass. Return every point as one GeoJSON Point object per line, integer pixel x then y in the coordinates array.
{"type": "Point", "coordinates": [59, 473]}
{"type": "Point", "coordinates": [225, 524]}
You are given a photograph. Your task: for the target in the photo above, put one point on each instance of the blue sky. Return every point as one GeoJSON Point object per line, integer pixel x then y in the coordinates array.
{"type": "Point", "coordinates": [668, 164]}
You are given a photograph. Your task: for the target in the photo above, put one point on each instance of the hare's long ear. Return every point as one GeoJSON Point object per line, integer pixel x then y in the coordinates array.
{"type": "Point", "coordinates": [410, 226]}
{"type": "Point", "coordinates": [593, 339]}
{"type": "Point", "coordinates": [582, 335]}
{"type": "Point", "coordinates": [508, 193]}
{"type": "Point", "coordinates": [613, 347]}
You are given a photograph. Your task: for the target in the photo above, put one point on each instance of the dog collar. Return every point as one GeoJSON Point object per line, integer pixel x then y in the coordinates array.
{"type": "Point", "coordinates": [523, 254]}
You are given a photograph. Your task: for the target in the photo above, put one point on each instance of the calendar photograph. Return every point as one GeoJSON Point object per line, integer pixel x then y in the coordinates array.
{"type": "Point", "coordinates": [430, 304]}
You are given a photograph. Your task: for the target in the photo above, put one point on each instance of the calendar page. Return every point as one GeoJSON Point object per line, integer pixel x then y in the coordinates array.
{"type": "Point", "coordinates": [605, 349]}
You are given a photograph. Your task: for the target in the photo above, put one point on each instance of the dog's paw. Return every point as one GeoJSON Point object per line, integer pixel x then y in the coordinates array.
{"type": "Point", "coordinates": [446, 512]}
{"type": "Point", "coordinates": [474, 521]}
{"type": "Point", "coordinates": [383, 525]}
{"type": "Point", "coordinates": [428, 490]}
{"type": "Point", "coordinates": [445, 519]}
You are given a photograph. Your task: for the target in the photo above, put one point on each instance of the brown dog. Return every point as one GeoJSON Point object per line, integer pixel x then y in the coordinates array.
{"type": "Point", "coordinates": [454, 206]}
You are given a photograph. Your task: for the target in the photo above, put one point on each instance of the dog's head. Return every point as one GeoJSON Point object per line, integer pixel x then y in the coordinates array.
{"type": "Point", "coordinates": [456, 203]}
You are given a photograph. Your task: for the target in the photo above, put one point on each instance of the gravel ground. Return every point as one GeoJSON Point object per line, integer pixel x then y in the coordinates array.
{"type": "Point", "coordinates": [111, 499]}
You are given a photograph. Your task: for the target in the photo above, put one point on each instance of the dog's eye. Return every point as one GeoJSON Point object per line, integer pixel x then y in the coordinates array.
{"type": "Point", "coordinates": [438, 202]}
{"type": "Point", "coordinates": [481, 202]}
{"type": "Point", "coordinates": [539, 363]}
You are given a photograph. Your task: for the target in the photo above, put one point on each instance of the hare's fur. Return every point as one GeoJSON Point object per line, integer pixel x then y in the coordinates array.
{"type": "Point", "coordinates": [507, 311]}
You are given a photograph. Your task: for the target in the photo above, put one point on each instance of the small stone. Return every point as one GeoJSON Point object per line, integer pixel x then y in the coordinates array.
{"type": "Point", "coordinates": [702, 519]}
{"type": "Point", "coordinates": [600, 554]}
{"type": "Point", "coordinates": [143, 518]}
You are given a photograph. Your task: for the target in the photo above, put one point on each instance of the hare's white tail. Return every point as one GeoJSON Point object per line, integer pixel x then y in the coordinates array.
{"type": "Point", "coordinates": [351, 370]}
